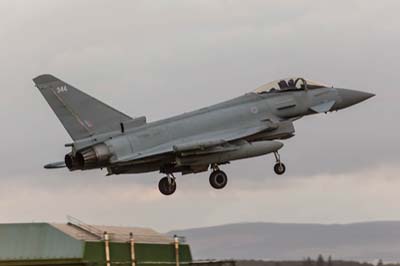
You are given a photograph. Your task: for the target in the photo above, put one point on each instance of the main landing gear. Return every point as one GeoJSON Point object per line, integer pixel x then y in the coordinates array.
{"type": "Point", "coordinates": [279, 167]}
{"type": "Point", "coordinates": [218, 178]}
{"type": "Point", "coordinates": [167, 185]}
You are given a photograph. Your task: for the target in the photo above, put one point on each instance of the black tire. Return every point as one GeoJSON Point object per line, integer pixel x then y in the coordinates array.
{"type": "Point", "coordinates": [218, 179]}
{"type": "Point", "coordinates": [279, 168]}
{"type": "Point", "coordinates": [165, 187]}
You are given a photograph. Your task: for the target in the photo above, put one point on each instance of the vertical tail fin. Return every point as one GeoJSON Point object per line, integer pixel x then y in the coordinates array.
{"type": "Point", "coordinates": [80, 114]}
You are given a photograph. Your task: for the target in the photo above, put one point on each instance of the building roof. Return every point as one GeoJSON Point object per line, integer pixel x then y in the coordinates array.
{"type": "Point", "coordinates": [115, 233]}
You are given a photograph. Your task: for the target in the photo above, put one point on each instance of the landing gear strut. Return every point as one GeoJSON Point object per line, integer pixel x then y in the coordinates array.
{"type": "Point", "coordinates": [279, 167]}
{"type": "Point", "coordinates": [218, 178]}
{"type": "Point", "coordinates": [167, 185]}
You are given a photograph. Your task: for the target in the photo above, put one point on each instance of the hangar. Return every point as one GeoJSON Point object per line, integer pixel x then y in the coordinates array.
{"type": "Point", "coordinates": [76, 244]}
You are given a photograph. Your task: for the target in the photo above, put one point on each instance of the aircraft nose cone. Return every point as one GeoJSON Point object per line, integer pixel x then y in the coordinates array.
{"type": "Point", "coordinates": [352, 97]}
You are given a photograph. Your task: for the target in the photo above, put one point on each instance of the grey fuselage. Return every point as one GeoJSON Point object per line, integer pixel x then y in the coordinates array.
{"type": "Point", "coordinates": [277, 109]}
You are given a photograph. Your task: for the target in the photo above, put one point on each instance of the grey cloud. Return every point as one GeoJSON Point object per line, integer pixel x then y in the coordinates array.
{"type": "Point", "coordinates": [163, 58]}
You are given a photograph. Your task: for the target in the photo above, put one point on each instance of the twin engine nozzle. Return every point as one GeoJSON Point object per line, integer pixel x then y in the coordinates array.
{"type": "Point", "coordinates": [90, 158]}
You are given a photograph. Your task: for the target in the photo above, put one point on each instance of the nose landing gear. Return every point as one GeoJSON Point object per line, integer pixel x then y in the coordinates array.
{"type": "Point", "coordinates": [279, 167]}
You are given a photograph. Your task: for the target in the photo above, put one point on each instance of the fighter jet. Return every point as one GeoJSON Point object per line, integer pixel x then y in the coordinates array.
{"type": "Point", "coordinates": [247, 126]}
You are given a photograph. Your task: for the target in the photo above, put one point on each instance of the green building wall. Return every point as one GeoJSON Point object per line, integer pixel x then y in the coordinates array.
{"type": "Point", "coordinates": [120, 254]}
{"type": "Point", "coordinates": [146, 254]}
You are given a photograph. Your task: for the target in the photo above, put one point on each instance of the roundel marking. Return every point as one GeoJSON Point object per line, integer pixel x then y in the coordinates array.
{"type": "Point", "coordinates": [254, 110]}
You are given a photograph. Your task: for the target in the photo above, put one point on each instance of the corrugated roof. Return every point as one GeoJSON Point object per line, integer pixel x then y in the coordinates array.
{"type": "Point", "coordinates": [116, 233]}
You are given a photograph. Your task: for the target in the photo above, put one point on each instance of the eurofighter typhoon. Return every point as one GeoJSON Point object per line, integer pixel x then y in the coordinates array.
{"type": "Point", "coordinates": [243, 127]}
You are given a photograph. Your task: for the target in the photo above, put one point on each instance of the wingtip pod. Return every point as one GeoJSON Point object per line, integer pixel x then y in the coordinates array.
{"type": "Point", "coordinates": [55, 165]}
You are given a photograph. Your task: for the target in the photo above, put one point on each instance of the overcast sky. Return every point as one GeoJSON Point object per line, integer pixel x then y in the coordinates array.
{"type": "Point", "coordinates": [161, 58]}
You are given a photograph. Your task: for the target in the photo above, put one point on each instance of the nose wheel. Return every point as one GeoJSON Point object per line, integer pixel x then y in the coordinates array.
{"type": "Point", "coordinates": [167, 185]}
{"type": "Point", "coordinates": [218, 178]}
{"type": "Point", "coordinates": [279, 167]}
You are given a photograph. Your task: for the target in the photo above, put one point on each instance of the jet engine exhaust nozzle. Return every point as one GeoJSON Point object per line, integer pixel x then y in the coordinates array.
{"type": "Point", "coordinates": [94, 157]}
{"type": "Point", "coordinates": [71, 162]}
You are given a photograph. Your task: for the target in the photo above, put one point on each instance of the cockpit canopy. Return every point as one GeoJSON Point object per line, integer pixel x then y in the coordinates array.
{"type": "Point", "coordinates": [289, 84]}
